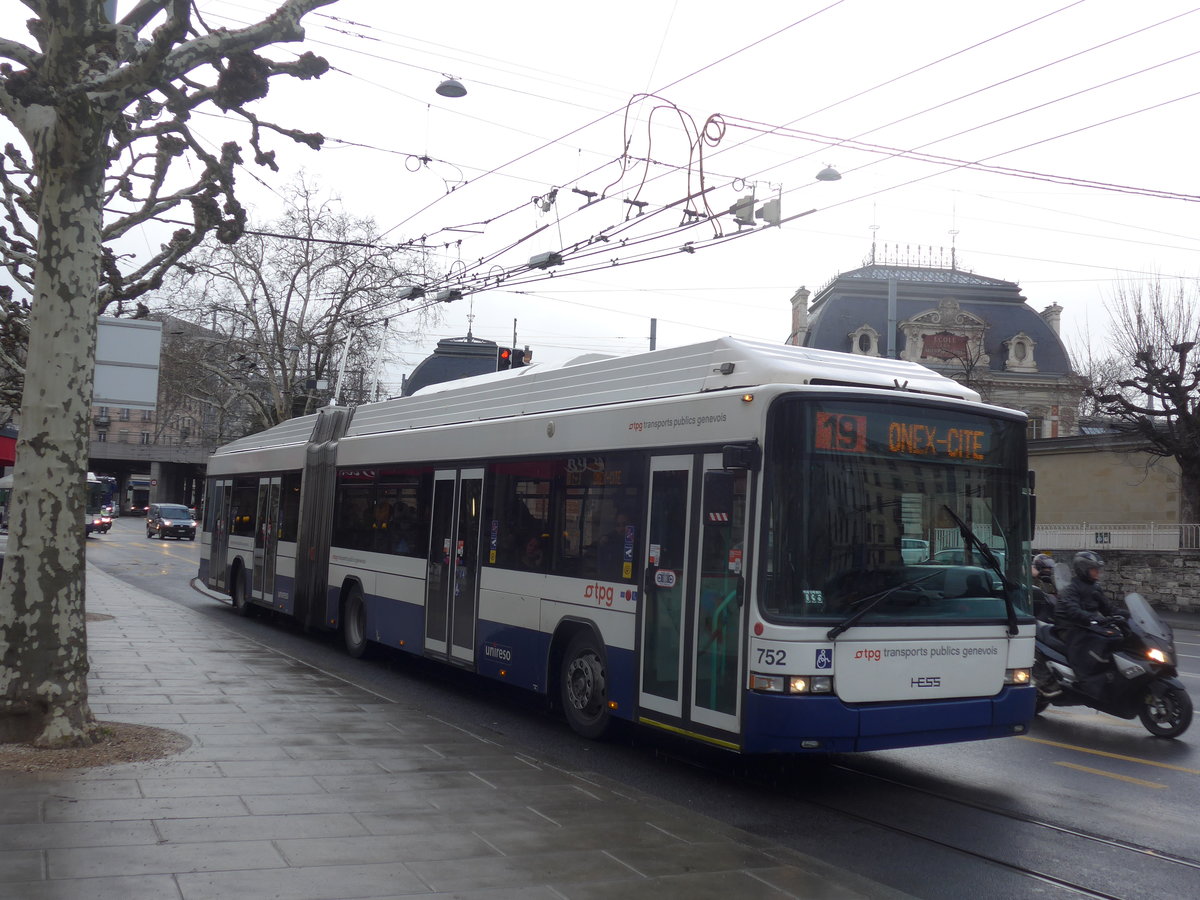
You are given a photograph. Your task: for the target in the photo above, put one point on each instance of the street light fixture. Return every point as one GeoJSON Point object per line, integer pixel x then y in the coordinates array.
{"type": "Point", "coordinates": [451, 87]}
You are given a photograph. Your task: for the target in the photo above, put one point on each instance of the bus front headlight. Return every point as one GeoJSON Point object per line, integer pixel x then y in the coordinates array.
{"type": "Point", "coordinates": [791, 684]}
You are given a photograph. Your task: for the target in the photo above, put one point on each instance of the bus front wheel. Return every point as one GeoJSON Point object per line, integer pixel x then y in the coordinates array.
{"type": "Point", "coordinates": [583, 684]}
{"type": "Point", "coordinates": [354, 624]}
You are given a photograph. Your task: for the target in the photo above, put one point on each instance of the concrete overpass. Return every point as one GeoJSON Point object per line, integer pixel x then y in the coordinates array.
{"type": "Point", "coordinates": [176, 471]}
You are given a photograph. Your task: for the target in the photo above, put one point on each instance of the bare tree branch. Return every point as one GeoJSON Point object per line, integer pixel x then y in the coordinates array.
{"type": "Point", "coordinates": [1156, 396]}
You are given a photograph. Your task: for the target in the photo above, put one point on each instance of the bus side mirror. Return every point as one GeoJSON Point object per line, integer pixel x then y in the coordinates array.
{"type": "Point", "coordinates": [747, 455]}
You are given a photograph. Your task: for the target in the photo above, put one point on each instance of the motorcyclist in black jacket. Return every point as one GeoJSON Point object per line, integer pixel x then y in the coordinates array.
{"type": "Point", "coordinates": [1042, 570]}
{"type": "Point", "coordinates": [1081, 606]}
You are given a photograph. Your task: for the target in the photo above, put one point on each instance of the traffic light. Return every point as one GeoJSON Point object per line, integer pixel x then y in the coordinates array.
{"type": "Point", "coordinates": [743, 210]}
{"type": "Point", "coordinates": [521, 358]}
{"type": "Point", "coordinates": [504, 358]}
{"type": "Point", "coordinates": [769, 212]}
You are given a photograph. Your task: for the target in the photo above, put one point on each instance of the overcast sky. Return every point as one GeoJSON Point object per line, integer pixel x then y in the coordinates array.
{"type": "Point", "coordinates": [1080, 111]}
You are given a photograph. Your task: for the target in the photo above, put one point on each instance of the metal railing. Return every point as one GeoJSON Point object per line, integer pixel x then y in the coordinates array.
{"type": "Point", "coordinates": [1118, 536]}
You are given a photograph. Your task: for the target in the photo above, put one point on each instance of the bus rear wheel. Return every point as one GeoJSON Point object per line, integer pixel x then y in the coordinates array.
{"type": "Point", "coordinates": [583, 684]}
{"type": "Point", "coordinates": [237, 594]}
{"type": "Point", "coordinates": [354, 624]}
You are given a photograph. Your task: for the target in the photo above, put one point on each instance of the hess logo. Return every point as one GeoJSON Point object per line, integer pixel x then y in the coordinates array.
{"type": "Point", "coordinates": [926, 681]}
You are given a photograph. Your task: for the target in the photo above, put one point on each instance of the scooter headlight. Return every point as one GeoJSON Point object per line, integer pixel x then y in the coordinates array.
{"type": "Point", "coordinates": [1156, 655]}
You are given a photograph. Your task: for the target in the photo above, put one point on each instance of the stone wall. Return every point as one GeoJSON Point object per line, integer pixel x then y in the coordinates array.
{"type": "Point", "coordinates": [1169, 580]}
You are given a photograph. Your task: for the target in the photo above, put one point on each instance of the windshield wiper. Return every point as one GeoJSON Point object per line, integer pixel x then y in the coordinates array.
{"type": "Point", "coordinates": [872, 601]}
{"type": "Point", "coordinates": [994, 564]}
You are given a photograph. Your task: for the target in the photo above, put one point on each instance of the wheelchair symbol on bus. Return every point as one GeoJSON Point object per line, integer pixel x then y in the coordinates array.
{"type": "Point", "coordinates": [824, 658]}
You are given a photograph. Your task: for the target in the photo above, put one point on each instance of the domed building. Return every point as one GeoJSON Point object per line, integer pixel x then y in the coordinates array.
{"type": "Point", "coordinates": [980, 331]}
{"type": "Point", "coordinates": [453, 358]}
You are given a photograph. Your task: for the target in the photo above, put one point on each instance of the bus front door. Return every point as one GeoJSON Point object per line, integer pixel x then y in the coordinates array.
{"type": "Point", "coordinates": [665, 585]}
{"type": "Point", "coordinates": [693, 598]}
{"type": "Point", "coordinates": [266, 537]}
{"type": "Point", "coordinates": [216, 514]}
{"type": "Point", "coordinates": [452, 588]}
{"type": "Point", "coordinates": [717, 634]}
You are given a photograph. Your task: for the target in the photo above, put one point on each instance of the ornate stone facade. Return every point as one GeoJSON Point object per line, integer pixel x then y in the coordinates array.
{"type": "Point", "coordinates": [978, 330]}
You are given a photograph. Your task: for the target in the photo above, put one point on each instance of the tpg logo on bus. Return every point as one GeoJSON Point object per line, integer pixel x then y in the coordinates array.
{"type": "Point", "coordinates": [601, 593]}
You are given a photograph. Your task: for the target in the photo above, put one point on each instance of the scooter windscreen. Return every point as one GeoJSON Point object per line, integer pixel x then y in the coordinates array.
{"type": "Point", "coordinates": [1062, 576]}
{"type": "Point", "coordinates": [1146, 622]}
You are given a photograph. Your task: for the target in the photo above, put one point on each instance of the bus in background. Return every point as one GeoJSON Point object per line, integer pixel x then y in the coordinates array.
{"type": "Point", "coordinates": [96, 519]}
{"type": "Point", "coordinates": [714, 540]}
{"type": "Point", "coordinates": [111, 502]}
{"type": "Point", "coordinates": [137, 495]}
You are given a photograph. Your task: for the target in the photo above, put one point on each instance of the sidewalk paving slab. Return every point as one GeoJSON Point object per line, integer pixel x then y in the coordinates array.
{"type": "Point", "coordinates": [300, 785]}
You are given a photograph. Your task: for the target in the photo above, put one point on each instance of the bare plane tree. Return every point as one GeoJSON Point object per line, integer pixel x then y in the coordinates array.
{"type": "Point", "coordinates": [1156, 333]}
{"type": "Point", "coordinates": [275, 314]}
{"type": "Point", "coordinates": [103, 111]}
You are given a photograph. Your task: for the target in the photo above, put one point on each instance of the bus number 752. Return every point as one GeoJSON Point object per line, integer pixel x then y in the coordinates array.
{"type": "Point", "coordinates": [768, 656]}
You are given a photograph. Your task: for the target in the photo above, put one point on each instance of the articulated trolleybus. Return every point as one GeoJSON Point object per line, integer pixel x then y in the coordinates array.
{"type": "Point", "coordinates": [765, 548]}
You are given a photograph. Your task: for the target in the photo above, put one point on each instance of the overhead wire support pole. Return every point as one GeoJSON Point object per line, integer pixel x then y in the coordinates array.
{"type": "Point", "coordinates": [337, 391]}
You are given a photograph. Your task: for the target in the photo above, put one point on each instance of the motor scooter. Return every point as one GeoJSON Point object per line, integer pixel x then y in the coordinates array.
{"type": "Point", "coordinates": [1142, 681]}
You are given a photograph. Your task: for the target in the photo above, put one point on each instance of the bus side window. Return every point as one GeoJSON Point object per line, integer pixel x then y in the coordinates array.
{"type": "Point", "coordinates": [244, 508]}
{"type": "Point", "coordinates": [289, 518]}
{"type": "Point", "coordinates": [516, 530]}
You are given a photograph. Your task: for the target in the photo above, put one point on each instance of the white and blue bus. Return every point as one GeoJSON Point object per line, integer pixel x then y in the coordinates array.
{"type": "Point", "coordinates": [715, 540]}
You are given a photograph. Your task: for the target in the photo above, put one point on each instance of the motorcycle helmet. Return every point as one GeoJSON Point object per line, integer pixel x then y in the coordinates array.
{"type": "Point", "coordinates": [1084, 562]}
{"type": "Point", "coordinates": [1044, 564]}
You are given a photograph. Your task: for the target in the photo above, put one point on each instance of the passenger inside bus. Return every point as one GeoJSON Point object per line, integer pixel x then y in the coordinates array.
{"type": "Point", "coordinates": [403, 530]}
{"type": "Point", "coordinates": [381, 527]}
{"type": "Point", "coordinates": [610, 551]}
{"type": "Point", "coordinates": [533, 555]}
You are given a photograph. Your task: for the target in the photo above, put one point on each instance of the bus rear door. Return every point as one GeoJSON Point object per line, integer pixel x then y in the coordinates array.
{"type": "Point", "coordinates": [452, 589]}
{"type": "Point", "coordinates": [694, 591]}
{"type": "Point", "coordinates": [266, 539]}
{"type": "Point", "coordinates": [220, 497]}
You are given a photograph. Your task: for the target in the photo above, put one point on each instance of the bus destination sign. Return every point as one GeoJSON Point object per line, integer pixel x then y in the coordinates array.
{"type": "Point", "coordinates": [885, 434]}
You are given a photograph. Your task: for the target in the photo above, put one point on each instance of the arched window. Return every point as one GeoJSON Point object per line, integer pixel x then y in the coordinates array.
{"type": "Point", "coordinates": [1020, 353]}
{"type": "Point", "coordinates": [864, 341]}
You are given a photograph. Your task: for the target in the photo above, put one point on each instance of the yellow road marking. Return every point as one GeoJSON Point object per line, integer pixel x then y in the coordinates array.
{"type": "Point", "coordinates": [1149, 784]}
{"type": "Point", "coordinates": [728, 745]}
{"type": "Point", "coordinates": [1132, 759]}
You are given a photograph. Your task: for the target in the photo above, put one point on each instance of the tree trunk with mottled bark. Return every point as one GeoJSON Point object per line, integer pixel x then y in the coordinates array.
{"type": "Point", "coordinates": [44, 665]}
{"type": "Point", "coordinates": [85, 96]}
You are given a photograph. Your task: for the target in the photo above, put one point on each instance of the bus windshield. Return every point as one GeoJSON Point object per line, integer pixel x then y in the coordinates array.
{"type": "Point", "coordinates": [95, 497]}
{"type": "Point", "coordinates": [872, 504]}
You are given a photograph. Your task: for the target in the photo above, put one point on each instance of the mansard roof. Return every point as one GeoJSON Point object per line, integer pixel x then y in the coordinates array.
{"type": "Point", "coordinates": [859, 297]}
{"type": "Point", "coordinates": [921, 275]}
{"type": "Point", "coordinates": [454, 358]}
